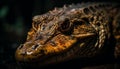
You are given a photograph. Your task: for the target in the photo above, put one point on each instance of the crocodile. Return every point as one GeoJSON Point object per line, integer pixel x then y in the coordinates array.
{"type": "Point", "coordinates": [70, 32]}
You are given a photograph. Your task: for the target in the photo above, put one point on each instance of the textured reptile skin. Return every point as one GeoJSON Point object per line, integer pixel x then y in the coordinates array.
{"type": "Point", "coordinates": [74, 31]}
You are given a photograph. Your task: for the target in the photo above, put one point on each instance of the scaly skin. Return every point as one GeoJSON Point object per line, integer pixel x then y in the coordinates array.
{"type": "Point", "coordinates": [76, 31]}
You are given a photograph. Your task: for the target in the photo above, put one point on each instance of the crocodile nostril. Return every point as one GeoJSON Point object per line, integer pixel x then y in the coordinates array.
{"type": "Point", "coordinates": [34, 46]}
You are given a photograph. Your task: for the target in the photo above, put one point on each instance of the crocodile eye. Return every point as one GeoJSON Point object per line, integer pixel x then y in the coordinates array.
{"type": "Point", "coordinates": [66, 27]}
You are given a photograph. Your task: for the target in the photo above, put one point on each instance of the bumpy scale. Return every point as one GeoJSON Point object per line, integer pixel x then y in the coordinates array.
{"type": "Point", "coordinates": [74, 31]}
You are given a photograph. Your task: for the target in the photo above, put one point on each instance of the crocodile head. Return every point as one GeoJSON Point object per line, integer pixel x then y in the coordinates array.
{"type": "Point", "coordinates": [59, 35]}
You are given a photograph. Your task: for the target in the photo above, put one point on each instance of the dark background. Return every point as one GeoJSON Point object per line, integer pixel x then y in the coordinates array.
{"type": "Point", "coordinates": [15, 22]}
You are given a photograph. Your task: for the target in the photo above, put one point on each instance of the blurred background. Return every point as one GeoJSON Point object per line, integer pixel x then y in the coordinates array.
{"type": "Point", "coordinates": [16, 20]}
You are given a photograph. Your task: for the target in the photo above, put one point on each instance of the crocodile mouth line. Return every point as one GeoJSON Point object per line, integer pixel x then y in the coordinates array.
{"type": "Point", "coordinates": [65, 55]}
